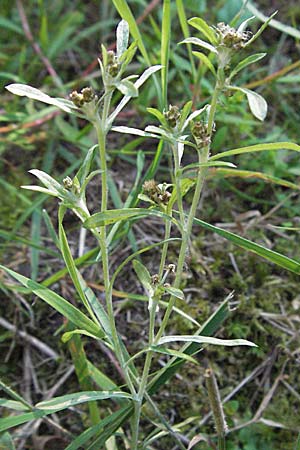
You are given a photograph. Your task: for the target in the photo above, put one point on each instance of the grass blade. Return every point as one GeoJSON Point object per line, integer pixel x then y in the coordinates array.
{"type": "Point", "coordinates": [270, 255]}
{"type": "Point", "coordinates": [58, 303]}
{"type": "Point", "coordinates": [258, 148]}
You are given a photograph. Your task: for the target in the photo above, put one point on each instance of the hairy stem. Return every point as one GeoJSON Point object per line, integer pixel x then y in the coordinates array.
{"type": "Point", "coordinates": [203, 157]}
{"type": "Point", "coordinates": [100, 126]}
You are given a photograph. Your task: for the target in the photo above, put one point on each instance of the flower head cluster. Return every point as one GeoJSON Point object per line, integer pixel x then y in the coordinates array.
{"type": "Point", "coordinates": [200, 133]}
{"type": "Point", "coordinates": [86, 95]}
{"type": "Point", "coordinates": [112, 67]}
{"type": "Point", "coordinates": [172, 116]}
{"type": "Point", "coordinates": [230, 37]}
{"type": "Point", "coordinates": [157, 193]}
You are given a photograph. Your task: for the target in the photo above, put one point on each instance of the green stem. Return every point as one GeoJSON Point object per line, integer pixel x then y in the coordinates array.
{"type": "Point", "coordinates": [203, 157]}
{"type": "Point", "coordinates": [100, 125]}
{"type": "Point", "coordinates": [165, 248]}
{"type": "Point", "coordinates": [144, 379]}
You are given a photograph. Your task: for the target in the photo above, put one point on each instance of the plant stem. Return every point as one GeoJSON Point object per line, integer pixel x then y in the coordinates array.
{"type": "Point", "coordinates": [100, 125]}
{"type": "Point", "coordinates": [144, 379]}
{"type": "Point", "coordinates": [203, 157]}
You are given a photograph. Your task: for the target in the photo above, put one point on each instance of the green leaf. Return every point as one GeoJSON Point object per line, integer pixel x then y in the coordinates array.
{"type": "Point", "coordinates": [159, 115]}
{"type": "Point", "coordinates": [139, 82]}
{"type": "Point", "coordinates": [70, 264]}
{"type": "Point", "coordinates": [206, 61]}
{"type": "Point", "coordinates": [122, 35]}
{"type": "Point", "coordinates": [13, 404]}
{"type": "Point", "coordinates": [245, 62]}
{"type": "Point", "coordinates": [6, 442]}
{"type": "Point", "coordinates": [170, 352]}
{"type": "Point", "coordinates": [127, 88]}
{"type": "Point", "coordinates": [258, 148]}
{"type": "Point", "coordinates": [115, 215]}
{"type": "Point", "coordinates": [261, 29]}
{"type": "Point", "coordinates": [143, 275]}
{"type": "Point", "coordinates": [45, 408]}
{"type": "Point", "coordinates": [66, 401]}
{"type": "Point", "coordinates": [274, 257]}
{"type": "Point", "coordinates": [59, 304]}
{"type": "Point", "coordinates": [200, 43]}
{"type": "Point", "coordinates": [210, 327]}
{"type": "Point", "coordinates": [257, 103]}
{"type": "Point", "coordinates": [205, 29]}
{"type": "Point", "coordinates": [246, 174]}
{"type": "Point", "coordinates": [69, 334]}
{"type": "Point", "coordinates": [104, 429]}
{"type": "Point", "coordinates": [184, 113]}
{"type": "Point", "coordinates": [174, 292]}
{"type": "Point", "coordinates": [24, 90]}
{"type": "Point", "coordinates": [205, 340]}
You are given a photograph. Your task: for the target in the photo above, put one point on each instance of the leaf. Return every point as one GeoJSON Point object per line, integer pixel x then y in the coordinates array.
{"type": "Point", "coordinates": [210, 327]}
{"type": "Point", "coordinates": [69, 334]}
{"type": "Point", "coordinates": [45, 408]}
{"type": "Point", "coordinates": [258, 148]}
{"type": "Point", "coordinates": [65, 401]}
{"type": "Point", "coordinates": [205, 29]}
{"type": "Point", "coordinates": [102, 431]}
{"type": "Point", "coordinates": [206, 61]}
{"type": "Point", "coordinates": [170, 352]}
{"type": "Point", "coordinates": [69, 262]}
{"type": "Point", "coordinates": [198, 112]}
{"type": "Point", "coordinates": [139, 82]}
{"type": "Point", "coordinates": [200, 43]}
{"type": "Point", "coordinates": [23, 90]}
{"type": "Point", "coordinates": [257, 103]}
{"type": "Point", "coordinates": [122, 35]}
{"type": "Point", "coordinates": [205, 340]}
{"type": "Point", "coordinates": [134, 131]}
{"type": "Point", "coordinates": [115, 215]}
{"type": "Point", "coordinates": [264, 25]}
{"type": "Point", "coordinates": [174, 292]}
{"type": "Point", "coordinates": [6, 442]}
{"type": "Point", "coordinates": [13, 404]}
{"type": "Point", "coordinates": [208, 164]}
{"type": "Point", "coordinates": [245, 62]}
{"type": "Point", "coordinates": [184, 114]}
{"type": "Point", "coordinates": [143, 275]}
{"type": "Point", "coordinates": [263, 176]}
{"type": "Point", "coordinates": [58, 303]}
{"type": "Point", "coordinates": [244, 24]}
{"type": "Point", "coordinates": [127, 88]}
{"type": "Point", "coordinates": [274, 257]}
{"type": "Point", "coordinates": [159, 115]}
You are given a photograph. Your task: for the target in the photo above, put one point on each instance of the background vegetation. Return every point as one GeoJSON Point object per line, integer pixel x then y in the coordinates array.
{"type": "Point", "coordinates": [55, 47]}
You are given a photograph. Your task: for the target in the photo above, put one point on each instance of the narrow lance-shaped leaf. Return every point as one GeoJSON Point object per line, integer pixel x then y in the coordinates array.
{"type": "Point", "coordinates": [139, 82]}
{"type": "Point", "coordinates": [122, 37]}
{"type": "Point", "coordinates": [248, 174]}
{"type": "Point", "coordinates": [245, 62]}
{"type": "Point", "coordinates": [143, 275]}
{"type": "Point", "coordinates": [206, 61]}
{"type": "Point", "coordinates": [116, 215]}
{"type": "Point", "coordinates": [258, 148]}
{"type": "Point", "coordinates": [201, 25]}
{"type": "Point", "coordinates": [58, 303]}
{"type": "Point", "coordinates": [274, 257]}
{"type": "Point", "coordinates": [200, 43]}
{"type": "Point", "coordinates": [45, 408]}
{"type": "Point", "coordinates": [205, 340]}
{"type": "Point", "coordinates": [23, 90]}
